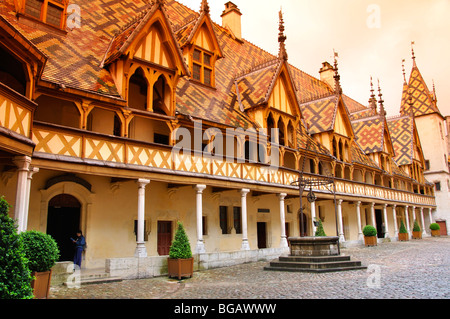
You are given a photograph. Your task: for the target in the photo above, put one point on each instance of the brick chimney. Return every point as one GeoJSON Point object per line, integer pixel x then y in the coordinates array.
{"type": "Point", "coordinates": [231, 19]}
{"type": "Point", "coordinates": [327, 74]}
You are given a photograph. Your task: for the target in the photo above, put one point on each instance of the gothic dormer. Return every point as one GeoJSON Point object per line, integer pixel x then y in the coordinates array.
{"type": "Point", "coordinates": [200, 47]}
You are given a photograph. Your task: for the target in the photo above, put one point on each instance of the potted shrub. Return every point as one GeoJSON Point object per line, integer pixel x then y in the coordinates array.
{"type": "Point", "coordinates": [15, 279]}
{"type": "Point", "coordinates": [417, 234]}
{"type": "Point", "coordinates": [180, 261]}
{"type": "Point", "coordinates": [370, 235]}
{"type": "Point", "coordinates": [403, 233]}
{"type": "Point", "coordinates": [319, 231]}
{"type": "Point", "coordinates": [435, 229]}
{"type": "Point", "coordinates": [42, 253]}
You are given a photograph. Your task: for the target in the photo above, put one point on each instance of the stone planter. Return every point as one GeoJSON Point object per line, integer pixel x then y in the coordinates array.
{"type": "Point", "coordinates": [417, 235]}
{"type": "Point", "coordinates": [41, 284]}
{"type": "Point", "coordinates": [403, 236]}
{"type": "Point", "coordinates": [370, 240]}
{"type": "Point", "coordinates": [180, 267]}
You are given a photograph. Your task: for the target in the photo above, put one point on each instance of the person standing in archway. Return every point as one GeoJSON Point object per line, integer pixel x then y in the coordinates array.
{"type": "Point", "coordinates": [80, 244]}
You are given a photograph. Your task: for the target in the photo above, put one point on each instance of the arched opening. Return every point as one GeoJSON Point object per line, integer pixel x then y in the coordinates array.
{"type": "Point", "coordinates": [161, 96]}
{"type": "Point", "coordinates": [12, 73]}
{"type": "Point", "coordinates": [63, 221]}
{"type": "Point", "coordinates": [57, 111]}
{"type": "Point", "coordinates": [138, 90]}
{"type": "Point", "coordinates": [281, 132]}
{"type": "Point", "coordinates": [104, 121]}
{"type": "Point", "coordinates": [270, 125]}
{"type": "Point", "coordinates": [338, 171]}
{"type": "Point", "coordinates": [291, 135]}
{"type": "Point", "coordinates": [289, 160]}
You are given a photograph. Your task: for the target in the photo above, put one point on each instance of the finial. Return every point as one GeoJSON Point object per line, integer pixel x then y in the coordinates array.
{"type": "Point", "coordinates": [337, 77]}
{"type": "Point", "coordinates": [205, 6]}
{"type": "Point", "coordinates": [281, 37]}
{"type": "Point", "coordinates": [403, 70]}
{"type": "Point", "coordinates": [380, 101]}
{"type": "Point", "coordinates": [434, 92]}
{"type": "Point", "coordinates": [412, 52]}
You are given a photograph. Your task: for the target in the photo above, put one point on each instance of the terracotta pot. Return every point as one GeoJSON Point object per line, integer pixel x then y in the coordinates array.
{"type": "Point", "coordinates": [180, 267]}
{"type": "Point", "coordinates": [417, 235]}
{"type": "Point", "coordinates": [41, 284]}
{"type": "Point", "coordinates": [436, 233]}
{"type": "Point", "coordinates": [370, 240]}
{"type": "Point", "coordinates": [403, 237]}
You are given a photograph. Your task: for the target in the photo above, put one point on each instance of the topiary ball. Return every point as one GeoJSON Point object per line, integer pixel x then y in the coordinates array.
{"type": "Point", "coordinates": [40, 249]}
{"type": "Point", "coordinates": [369, 230]}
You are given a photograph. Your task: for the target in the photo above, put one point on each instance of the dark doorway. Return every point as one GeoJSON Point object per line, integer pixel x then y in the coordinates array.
{"type": "Point", "coordinates": [379, 222]}
{"type": "Point", "coordinates": [164, 237]}
{"type": "Point", "coordinates": [262, 235]}
{"type": "Point", "coordinates": [63, 222]}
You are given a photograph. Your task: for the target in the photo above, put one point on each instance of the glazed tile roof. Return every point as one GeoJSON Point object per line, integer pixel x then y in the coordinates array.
{"type": "Point", "coordinates": [369, 133]}
{"type": "Point", "coordinates": [75, 60]}
{"type": "Point", "coordinates": [320, 114]}
{"type": "Point", "coordinates": [402, 136]}
{"type": "Point", "coordinates": [417, 95]}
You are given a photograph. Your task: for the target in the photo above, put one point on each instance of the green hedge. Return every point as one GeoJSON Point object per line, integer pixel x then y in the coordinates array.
{"type": "Point", "coordinates": [15, 278]}
{"type": "Point", "coordinates": [416, 226]}
{"type": "Point", "coordinates": [369, 230]}
{"type": "Point", "coordinates": [435, 226]}
{"type": "Point", "coordinates": [41, 250]}
{"type": "Point", "coordinates": [180, 248]}
{"type": "Point", "coordinates": [402, 229]}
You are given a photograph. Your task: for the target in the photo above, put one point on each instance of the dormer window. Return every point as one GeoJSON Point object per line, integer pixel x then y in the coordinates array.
{"type": "Point", "coordinates": [48, 11]}
{"type": "Point", "coordinates": [202, 69]}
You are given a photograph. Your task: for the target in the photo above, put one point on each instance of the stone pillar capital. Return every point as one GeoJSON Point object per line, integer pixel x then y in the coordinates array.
{"type": "Point", "coordinates": [200, 188]}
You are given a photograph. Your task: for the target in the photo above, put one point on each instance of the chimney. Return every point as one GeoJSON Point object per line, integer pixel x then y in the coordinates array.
{"type": "Point", "coordinates": [231, 19]}
{"type": "Point", "coordinates": [327, 74]}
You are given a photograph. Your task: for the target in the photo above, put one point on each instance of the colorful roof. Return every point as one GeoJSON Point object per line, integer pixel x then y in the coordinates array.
{"type": "Point", "coordinates": [416, 95]}
{"type": "Point", "coordinates": [402, 136]}
{"type": "Point", "coordinates": [369, 133]}
{"type": "Point", "coordinates": [320, 114]}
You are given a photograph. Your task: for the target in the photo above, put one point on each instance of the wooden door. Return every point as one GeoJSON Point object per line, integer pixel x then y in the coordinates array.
{"type": "Point", "coordinates": [443, 226]}
{"type": "Point", "coordinates": [262, 235]}
{"type": "Point", "coordinates": [164, 237]}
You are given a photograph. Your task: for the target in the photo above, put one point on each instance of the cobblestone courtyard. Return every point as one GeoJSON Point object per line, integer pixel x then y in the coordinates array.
{"type": "Point", "coordinates": [396, 270]}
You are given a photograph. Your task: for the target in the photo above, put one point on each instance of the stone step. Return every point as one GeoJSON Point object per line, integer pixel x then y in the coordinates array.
{"type": "Point", "coordinates": [315, 265]}
{"type": "Point", "coordinates": [96, 276]}
{"type": "Point", "coordinates": [317, 270]}
{"type": "Point", "coordinates": [100, 280]}
{"type": "Point", "coordinates": [313, 258]}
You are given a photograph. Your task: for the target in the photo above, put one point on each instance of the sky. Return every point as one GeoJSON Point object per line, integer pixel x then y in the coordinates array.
{"type": "Point", "coordinates": [371, 37]}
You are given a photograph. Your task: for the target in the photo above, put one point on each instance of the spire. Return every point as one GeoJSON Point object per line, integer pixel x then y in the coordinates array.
{"type": "Point", "coordinates": [282, 38]}
{"type": "Point", "coordinates": [204, 7]}
{"type": "Point", "coordinates": [372, 100]}
{"type": "Point", "coordinates": [337, 77]}
{"type": "Point", "coordinates": [434, 92]}
{"type": "Point", "coordinates": [380, 101]}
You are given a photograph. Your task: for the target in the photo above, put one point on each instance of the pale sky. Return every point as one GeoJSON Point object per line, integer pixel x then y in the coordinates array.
{"type": "Point", "coordinates": [371, 37]}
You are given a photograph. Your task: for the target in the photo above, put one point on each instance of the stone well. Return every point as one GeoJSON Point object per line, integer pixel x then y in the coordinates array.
{"type": "Point", "coordinates": [314, 246]}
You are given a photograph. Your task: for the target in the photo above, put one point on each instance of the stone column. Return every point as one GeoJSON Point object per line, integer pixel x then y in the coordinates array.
{"type": "Point", "coordinates": [313, 217]}
{"type": "Point", "coordinates": [385, 221]}
{"type": "Point", "coordinates": [372, 215]}
{"type": "Point", "coordinates": [20, 206]}
{"type": "Point", "coordinates": [430, 217]}
{"type": "Point", "coordinates": [283, 242]}
{"type": "Point", "coordinates": [394, 215]}
{"type": "Point", "coordinates": [422, 220]}
{"type": "Point", "coordinates": [407, 220]}
{"type": "Point", "coordinates": [31, 172]}
{"type": "Point", "coordinates": [341, 226]}
{"type": "Point", "coordinates": [200, 248]}
{"type": "Point", "coordinates": [245, 244]}
{"type": "Point", "coordinates": [358, 216]}
{"type": "Point", "coordinates": [141, 251]}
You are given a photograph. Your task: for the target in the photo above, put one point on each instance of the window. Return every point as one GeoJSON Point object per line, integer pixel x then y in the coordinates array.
{"type": "Point", "coordinates": [48, 11]}
{"type": "Point", "coordinates": [427, 165]}
{"type": "Point", "coordinates": [223, 211]}
{"type": "Point", "coordinates": [202, 69]}
{"type": "Point", "coordinates": [237, 220]}
{"type": "Point", "coordinates": [438, 186]}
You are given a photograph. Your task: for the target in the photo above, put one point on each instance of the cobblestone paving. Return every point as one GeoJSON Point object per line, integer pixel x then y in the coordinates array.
{"type": "Point", "coordinates": [396, 270]}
